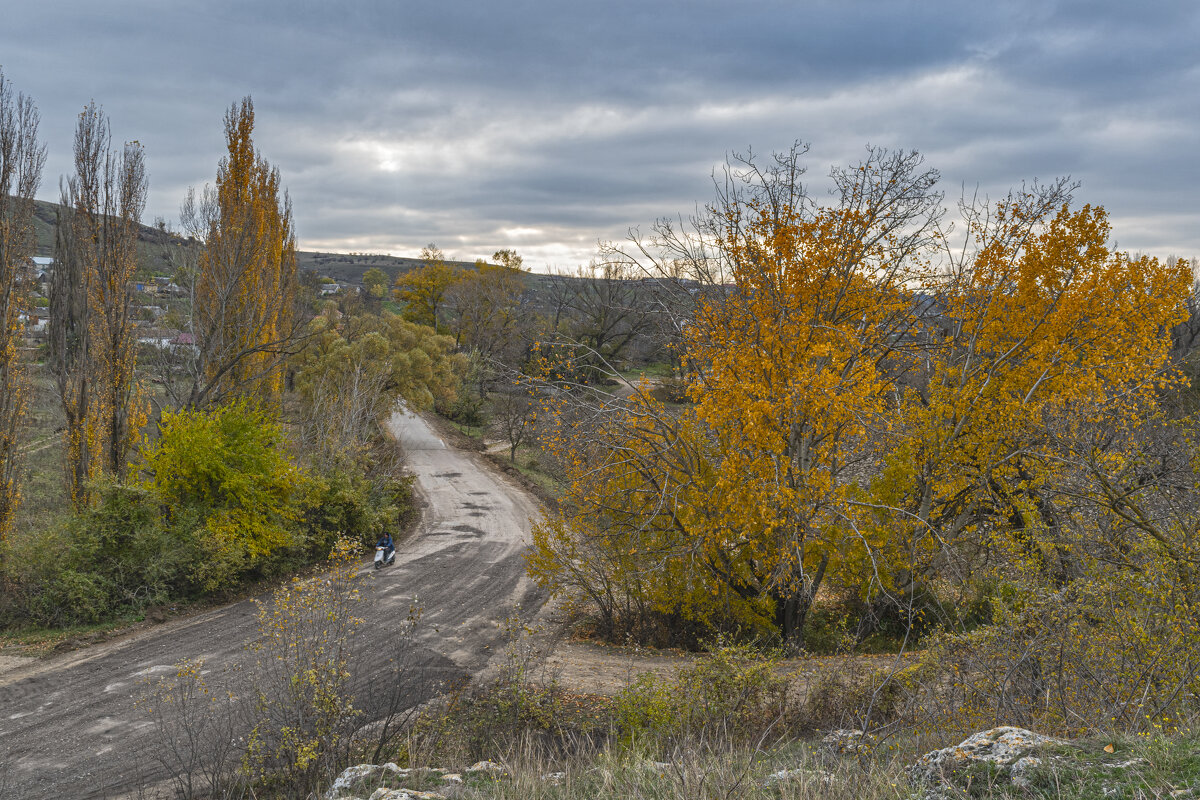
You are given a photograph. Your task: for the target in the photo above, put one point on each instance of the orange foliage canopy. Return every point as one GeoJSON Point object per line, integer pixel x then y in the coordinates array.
{"type": "Point", "coordinates": [861, 396]}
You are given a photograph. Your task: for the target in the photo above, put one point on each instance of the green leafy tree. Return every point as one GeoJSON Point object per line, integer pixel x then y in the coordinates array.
{"type": "Point", "coordinates": [356, 371]}
{"type": "Point", "coordinates": [375, 286]}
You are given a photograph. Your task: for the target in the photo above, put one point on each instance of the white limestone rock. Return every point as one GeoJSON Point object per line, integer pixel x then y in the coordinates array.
{"type": "Point", "coordinates": [846, 741]}
{"type": "Point", "coordinates": [405, 794]}
{"type": "Point", "coordinates": [486, 767]}
{"type": "Point", "coordinates": [1006, 747]}
{"type": "Point", "coordinates": [352, 775]}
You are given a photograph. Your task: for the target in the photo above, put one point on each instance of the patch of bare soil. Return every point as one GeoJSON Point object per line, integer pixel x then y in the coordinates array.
{"type": "Point", "coordinates": [13, 662]}
{"type": "Point", "coordinates": [591, 668]}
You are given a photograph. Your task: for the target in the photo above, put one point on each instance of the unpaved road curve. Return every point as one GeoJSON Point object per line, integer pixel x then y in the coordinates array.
{"type": "Point", "coordinates": [68, 727]}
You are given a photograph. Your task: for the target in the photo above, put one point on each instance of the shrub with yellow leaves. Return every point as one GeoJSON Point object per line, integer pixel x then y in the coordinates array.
{"type": "Point", "coordinates": [302, 705]}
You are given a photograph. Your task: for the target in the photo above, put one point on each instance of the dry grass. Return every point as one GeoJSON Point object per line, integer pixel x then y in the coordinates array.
{"type": "Point", "coordinates": [1142, 768]}
{"type": "Point", "coordinates": [44, 495]}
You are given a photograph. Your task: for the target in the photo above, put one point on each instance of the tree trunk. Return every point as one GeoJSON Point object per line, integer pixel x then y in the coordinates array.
{"type": "Point", "coordinates": [791, 609]}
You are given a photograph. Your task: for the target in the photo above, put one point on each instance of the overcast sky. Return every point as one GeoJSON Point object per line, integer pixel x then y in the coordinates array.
{"type": "Point", "coordinates": [545, 125]}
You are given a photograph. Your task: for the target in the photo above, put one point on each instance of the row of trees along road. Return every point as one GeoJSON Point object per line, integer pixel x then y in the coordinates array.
{"type": "Point", "coordinates": [242, 280]}
{"type": "Point", "coordinates": [92, 340]}
{"type": "Point", "coordinates": [212, 492]}
{"type": "Point", "coordinates": [878, 406]}
{"type": "Point", "coordinates": [182, 476]}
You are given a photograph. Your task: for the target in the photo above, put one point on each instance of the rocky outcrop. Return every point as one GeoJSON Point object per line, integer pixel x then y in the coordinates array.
{"type": "Point", "coordinates": [355, 774]}
{"type": "Point", "coordinates": [1006, 753]}
{"type": "Point", "coordinates": [405, 794]}
{"type": "Point", "coordinates": [844, 741]}
{"type": "Point", "coordinates": [386, 781]}
{"type": "Point", "coordinates": [485, 768]}
{"type": "Point", "coordinates": [362, 782]}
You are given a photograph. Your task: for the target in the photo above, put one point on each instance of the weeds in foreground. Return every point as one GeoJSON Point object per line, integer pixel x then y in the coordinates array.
{"type": "Point", "coordinates": [728, 726]}
{"type": "Point", "coordinates": [284, 727]}
{"type": "Point", "coordinates": [697, 770]}
{"type": "Point", "coordinates": [710, 769]}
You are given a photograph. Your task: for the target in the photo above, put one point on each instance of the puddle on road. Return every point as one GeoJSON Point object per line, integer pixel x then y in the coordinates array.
{"type": "Point", "coordinates": [457, 529]}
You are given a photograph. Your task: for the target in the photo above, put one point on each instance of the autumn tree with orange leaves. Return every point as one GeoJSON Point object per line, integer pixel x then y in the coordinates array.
{"type": "Point", "coordinates": [1046, 341]}
{"type": "Point", "coordinates": [21, 160]}
{"type": "Point", "coordinates": [869, 405]}
{"type": "Point", "coordinates": [243, 282]}
{"type": "Point", "coordinates": [93, 342]}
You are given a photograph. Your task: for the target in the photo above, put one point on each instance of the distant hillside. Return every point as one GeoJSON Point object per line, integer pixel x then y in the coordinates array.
{"type": "Point", "coordinates": [155, 245]}
{"type": "Point", "coordinates": [350, 267]}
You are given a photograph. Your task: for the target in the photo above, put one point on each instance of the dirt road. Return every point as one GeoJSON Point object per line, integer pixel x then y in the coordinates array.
{"type": "Point", "coordinates": [68, 727]}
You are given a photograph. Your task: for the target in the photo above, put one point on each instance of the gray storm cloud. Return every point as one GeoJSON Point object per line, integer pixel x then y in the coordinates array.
{"type": "Point", "coordinates": [546, 126]}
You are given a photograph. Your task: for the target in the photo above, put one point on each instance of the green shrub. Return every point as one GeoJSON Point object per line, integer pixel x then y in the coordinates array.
{"type": "Point", "coordinates": [733, 692]}
{"type": "Point", "coordinates": [111, 559]}
{"type": "Point", "coordinates": [346, 501]}
{"type": "Point", "coordinates": [219, 503]}
{"type": "Point", "coordinates": [124, 545]}
{"type": "Point", "coordinates": [80, 597]}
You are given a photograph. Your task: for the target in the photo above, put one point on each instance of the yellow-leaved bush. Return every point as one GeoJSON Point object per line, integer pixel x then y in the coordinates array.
{"type": "Point", "coordinates": [226, 469]}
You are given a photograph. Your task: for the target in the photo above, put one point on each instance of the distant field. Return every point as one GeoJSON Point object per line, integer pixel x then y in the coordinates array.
{"type": "Point", "coordinates": [44, 493]}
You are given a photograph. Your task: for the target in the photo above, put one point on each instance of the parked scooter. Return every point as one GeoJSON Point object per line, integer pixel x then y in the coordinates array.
{"type": "Point", "coordinates": [384, 557]}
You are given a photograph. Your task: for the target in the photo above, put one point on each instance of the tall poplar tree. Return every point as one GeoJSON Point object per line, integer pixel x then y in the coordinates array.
{"type": "Point", "coordinates": [21, 161]}
{"type": "Point", "coordinates": [93, 344]}
{"type": "Point", "coordinates": [244, 282]}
